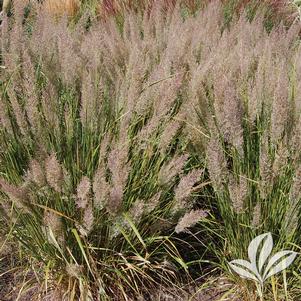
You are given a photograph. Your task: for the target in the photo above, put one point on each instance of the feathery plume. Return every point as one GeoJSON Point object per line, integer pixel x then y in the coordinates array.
{"type": "Point", "coordinates": [256, 215]}
{"type": "Point", "coordinates": [101, 188]}
{"type": "Point", "coordinates": [117, 163]}
{"type": "Point", "coordinates": [281, 160]}
{"type": "Point", "coordinates": [54, 172]}
{"type": "Point", "coordinates": [115, 200]}
{"type": "Point", "coordinates": [295, 191]}
{"type": "Point", "coordinates": [168, 134]}
{"type": "Point", "coordinates": [171, 169]}
{"type": "Point", "coordinates": [18, 195]}
{"type": "Point", "coordinates": [88, 112]}
{"type": "Point", "coordinates": [137, 210]}
{"type": "Point", "coordinates": [88, 219]}
{"type": "Point", "coordinates": [280, 106]}
{"type": "Point", "coordinates": [54, 222]}
{"type": "Point", "coordinates": [103, 147]}
{"type": "Point", "coordinates": [36, 173]}
{"type": "Point", "coordinates": [234, 116]}
{"type": "Point", "coordinates": [230, 117]}
{"type": "Point", "coordinates": [19, 10]}
{"type": "Point", "coordinates": [185, 188]}
{"type": "Point", "coordinates": [216, 163]}
{"type": "Point", "coordinates": [238, 192]}
{"type": "Point", "coordinates": [151, 204]}
{"type": "Point", "coordinates": [17, 110]}
{"type": "Point", "coordinates": [83, 192]}
{"type": "Point", "coordinates": [190, 219]}
{"type": "Point", "coordinates": [4, 118]}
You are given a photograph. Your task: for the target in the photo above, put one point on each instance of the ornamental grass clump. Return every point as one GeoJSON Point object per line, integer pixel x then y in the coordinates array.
{"type": "Point", "coordinates": [89, 173]}
{"type": "Point", "coordinates": [245, 103]}
{"type": "Point", "coordinates": [117, 135]}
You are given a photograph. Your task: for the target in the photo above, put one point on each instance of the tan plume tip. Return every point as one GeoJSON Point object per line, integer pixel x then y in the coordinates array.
{"type": "Point", "coordinates": [16, 194]}
{"type": "Point", "coordinates": [186, 185]}
{"type": "Point", "coordinates": [190, 219]}
{"type": "Point", "coordinates": [238, 192]}
{"type": "Point", "coordinates": [216, 163]}
{"type": "Point", "coordinates": [256, 215]}
{"type": "Point", "coordinates": [88, 218]}
{"type": "Point", "coordinates": [101, 188]}
{"type": "Point", "coordinates": [36, 173]}
{"type": "Point", "coordinates": [172, 169]}
{"type": "Point", "coordinates": [153, 202]}
{"type": "Point", "coordinates": [115, 202]}
{"type": "Point", "coordinates": [53, 221]}
{"type": "Point", "coordinates": [83, 192]}
{"type": "Point", "coordinates": [137, 210]}
{"type": "Point", "coordinates": [54, 172]}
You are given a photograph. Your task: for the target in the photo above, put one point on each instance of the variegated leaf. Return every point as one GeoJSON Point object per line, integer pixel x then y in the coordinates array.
{"type": "Point", "coordinates": [244, 269]}
{"type": "Point", "coordinates": [266, 251]}
{"type": "Point", "coordinates": [287, 259]}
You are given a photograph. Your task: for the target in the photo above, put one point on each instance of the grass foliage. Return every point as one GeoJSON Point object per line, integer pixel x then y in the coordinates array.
{"type": "Point", "coordinates": [139, 147]}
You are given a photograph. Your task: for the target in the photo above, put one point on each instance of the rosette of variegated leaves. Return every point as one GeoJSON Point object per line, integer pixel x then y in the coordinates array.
{"type": "Point", "coordinates": [262, 264]}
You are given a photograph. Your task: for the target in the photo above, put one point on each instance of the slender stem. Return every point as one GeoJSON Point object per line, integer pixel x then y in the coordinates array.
{"type": "Point", "coordinates": [259, 287]}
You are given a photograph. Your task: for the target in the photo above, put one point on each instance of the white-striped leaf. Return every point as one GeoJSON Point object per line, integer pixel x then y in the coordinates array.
{"type": "Point", "coordinates": [244, 269]}
{"type": "Point", "coordinates": [287, 259]}
{"type": "Point", "coordinates": [266, 251]}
